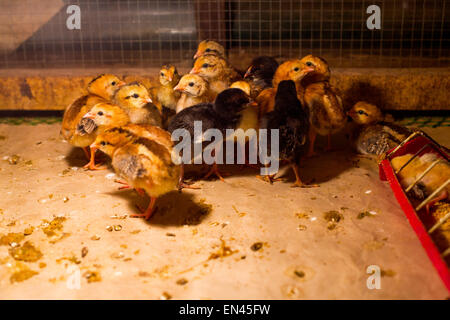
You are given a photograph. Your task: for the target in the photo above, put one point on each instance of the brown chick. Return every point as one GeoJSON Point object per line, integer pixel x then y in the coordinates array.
{"type": "Point", "coordinates": [143, 163]}
{"type": "Point", "coordinates": [147, 131]}
{"type": "Point", "coordinates": [293, 70]}
{"type": "Point", "coordinates": [436, 177]}
{"type": "Point", "coordinates": [327, 114]}
{"type": "Point", "coordinates": [135, 100]}
{"type": "Point", "coordinates": [165, 94]}
{"type": "Point", "coordinates": [194, 90]}
{"type": "Point", "coordinates": [101, 117]}
{"type": "Point", "coordinates": [100, 89]}
{"type": "Point", "coordinates": [210, 47]}
{"type": "Point", "coordinates": [373, 136]}
{"type": "Point", "coordinates": [216, 71]}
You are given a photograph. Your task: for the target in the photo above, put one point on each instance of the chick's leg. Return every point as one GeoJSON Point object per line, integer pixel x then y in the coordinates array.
{"type": "Point", "coordinates": [270, 178]}
{"type": "Point", "coordinates": [182, 184]}
{"type": "Point", "coordinates": [86, 153]}
{"type": "Point", "coordinates": [214, 170]}
{"type": "Point", "coordinates": [298, 182]}
{"type": "Point", "coordinates": [91, 164]}
{"type": "Point", "coordinates": [329, 146]}
{"type": "Point", "coordinates": [148, 212]}
{"type": "Point", "coordinates": [312, 138]}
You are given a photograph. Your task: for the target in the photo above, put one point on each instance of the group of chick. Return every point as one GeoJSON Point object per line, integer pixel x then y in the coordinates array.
{"type": "Point", "coordinates": [132, 124]}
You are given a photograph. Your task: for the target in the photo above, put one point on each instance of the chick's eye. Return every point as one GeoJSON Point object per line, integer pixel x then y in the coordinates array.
{"type": "Point", "coordinates": [100, 113]}
{"type": "Point", "coordinates": [191, 84]}
{"type": "Point", "coordinates": [208, 50]}
{"type": "Point", "coordinates": [296, 68]}
{"type": "Point", "coordinates": [103, 143]}
{"type": "Point", "coordinates": [162, 74]}
{"type": "Point", "coordinates": [135, 95]}
{"type": "Point", "coordinates": [205, 65]}
{"type": "Point", "coordinates": [309, 64]}
{"type": "Point", "coordinates": [361, 112]}
{"type": "Point", "coordinates": [113, 83]}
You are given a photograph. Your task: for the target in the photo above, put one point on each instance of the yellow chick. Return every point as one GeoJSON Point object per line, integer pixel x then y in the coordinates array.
{"type": "Point", "coordinates": [194, 90]}
{"type": "Point", "coordinates": [100, 89]}
{"type": "Point", "coordinates": [437, 176]}
{"type": "Point", "coordinates": [143, 163]}
{"type": "Point", "coordinates": [216, 71]}
{"type": "Point", "coordinates": [249, 116]}
{"type": "Point", "coordinates": [327, 114]}
{"type": "Point", "coordinates": [135, 100]}
{"type": "Point", "coordinates": [243, 85]}
{"type": "Point", "coordinates": [373, 136]}
{"type": "Point", "coordinates": [102, 116]}
{"type": "Point", "coordinates": [165, 94]}
{"type": "Point", "coordinates": [210, 47]}
{"type": "Point", "coordinates": [364, 113]}
{"type": "Point", "coordinates": [293, 70]}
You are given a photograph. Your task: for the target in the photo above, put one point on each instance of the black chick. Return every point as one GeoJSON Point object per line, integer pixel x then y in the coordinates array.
{"type": "Point", "coordinates": [292, 120]}
{"type": "Point", "coordinates": [223, 114]}
{"type": "Point", "coordinates": [260, 74]}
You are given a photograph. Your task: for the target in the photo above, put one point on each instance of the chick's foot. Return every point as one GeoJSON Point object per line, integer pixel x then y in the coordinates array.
{"type": "Point", "coordinates": [184, 185]}
{"type": "Point", "coordinates": [148, 212]}
{"type": "Point", "coordinates": [298, 181]}
{"type": "Point", "coordinates": [125, 184]}
{"type": "Point", "coordinates": [215, 170]}
{"type": "Point", "coordinates": [93, 166]}
{"type": "Point", "coordinates": [270, 178]}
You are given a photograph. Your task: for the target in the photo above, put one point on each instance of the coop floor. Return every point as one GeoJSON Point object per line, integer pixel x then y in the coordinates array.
{"type": "Point", "coordinates": [201, 244]}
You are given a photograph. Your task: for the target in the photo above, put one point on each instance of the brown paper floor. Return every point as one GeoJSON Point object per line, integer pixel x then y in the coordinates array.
{"type": "Point", "coordinates": [190, 250]}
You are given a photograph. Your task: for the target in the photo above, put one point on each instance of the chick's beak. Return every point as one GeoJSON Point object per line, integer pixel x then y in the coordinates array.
{"type": "Point", "coordinates": [197, 54]}
{"type": "Point", "coordinates": [93, 147]}
{"type": "Point", "coordinates": [252, 104]}
{"type": "Point", "coordinates": [249, 70]}
{"type": "Point", "coordinates": [89, 115]}
{"type": "Point", "coordinates": [194, 71]}
{"type": "Point", "coordinates": [308, 70]}
{"type": "Point", "coordinates": [148, 100]}
{"type": "Point", "coordinates": [121, 83]}
{"type": "Point", "coordinates": [178, 88]}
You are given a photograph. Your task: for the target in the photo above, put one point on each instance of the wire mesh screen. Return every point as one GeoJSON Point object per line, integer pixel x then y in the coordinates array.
{"type": "Point", "coordinates": [148, 33]}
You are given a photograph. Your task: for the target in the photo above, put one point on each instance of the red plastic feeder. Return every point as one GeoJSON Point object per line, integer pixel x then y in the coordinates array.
{"type": "Point", "coordinates": [413, 146]}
